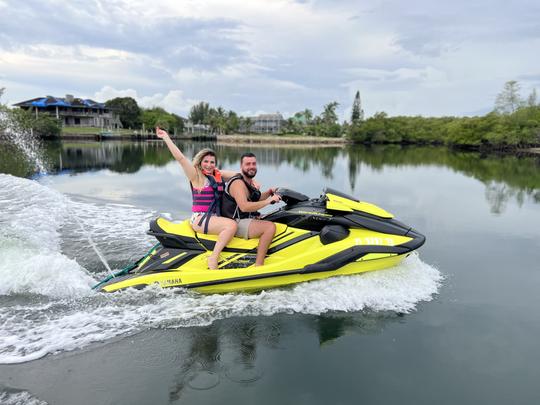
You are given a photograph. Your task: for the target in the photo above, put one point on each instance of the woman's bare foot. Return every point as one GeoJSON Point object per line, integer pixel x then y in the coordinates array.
{"type": "Point", "coordinates": [212, 262]}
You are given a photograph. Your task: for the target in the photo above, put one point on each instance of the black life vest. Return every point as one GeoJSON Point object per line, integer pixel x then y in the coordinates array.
{"type": "Point", "coordinates": [229, 207]}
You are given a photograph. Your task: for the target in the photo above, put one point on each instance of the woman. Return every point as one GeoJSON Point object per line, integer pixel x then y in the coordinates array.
{"type": "Point", "coordinates": [207, 187]}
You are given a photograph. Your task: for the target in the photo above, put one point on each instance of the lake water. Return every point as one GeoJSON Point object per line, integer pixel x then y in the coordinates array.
{"type": "Point", "coordinates": [455, 324]}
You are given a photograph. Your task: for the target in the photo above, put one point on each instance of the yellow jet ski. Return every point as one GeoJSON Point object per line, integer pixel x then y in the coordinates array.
{"type": "Point", "coordinates": [333, 235]}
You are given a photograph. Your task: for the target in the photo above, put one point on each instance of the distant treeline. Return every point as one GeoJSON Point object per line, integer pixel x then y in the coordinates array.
{"type": "Point", "coordinates": [518, 129]}
{"type": "Point", "coordinates": [514, 122]}
{"type": "Point", "coordinates": [222, 121]}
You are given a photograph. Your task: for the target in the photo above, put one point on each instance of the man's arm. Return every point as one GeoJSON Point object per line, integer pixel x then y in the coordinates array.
{"type": "Point", "coordinates": [269, 193]}
{"type": "Point", "coordinates": [240, 193]}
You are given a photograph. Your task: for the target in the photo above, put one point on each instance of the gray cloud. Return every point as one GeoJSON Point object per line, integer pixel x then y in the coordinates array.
{"type": "Point", "coordinates": [430, 29]}
{"type": "Point", "coordinates": [254, 56]}
{"type": "Point", "coordinates": [530, 77]}
{"type": "Point", "coordinates": [173, 40]}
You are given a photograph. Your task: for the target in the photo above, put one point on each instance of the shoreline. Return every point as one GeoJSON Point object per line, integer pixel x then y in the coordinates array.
{"type": "Point", "coordinates": [233, 139]}
{"type": "Point", "coordinates": [277, 140]}
{"type": "Point", "coordinates": [125, 137]}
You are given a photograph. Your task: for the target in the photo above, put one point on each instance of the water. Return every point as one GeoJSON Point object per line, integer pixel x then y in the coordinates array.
{"type": "Point", "coordinates": [454, 324]}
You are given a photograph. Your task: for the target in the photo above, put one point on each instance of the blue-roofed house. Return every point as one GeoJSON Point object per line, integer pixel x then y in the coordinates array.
{"type": "Point", "coordinates": [72, 111]}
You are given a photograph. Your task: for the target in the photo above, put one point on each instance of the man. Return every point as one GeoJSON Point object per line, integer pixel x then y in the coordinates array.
{"type": "Point", "coordinates": [241, 201]}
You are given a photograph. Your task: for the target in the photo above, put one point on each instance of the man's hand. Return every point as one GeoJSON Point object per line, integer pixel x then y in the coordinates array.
{"type": "Point", "coordinates": [274, 198]}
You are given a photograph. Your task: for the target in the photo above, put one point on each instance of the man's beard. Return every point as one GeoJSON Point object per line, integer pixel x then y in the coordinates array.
{"type": "Point", "coordinates": [250, 176]}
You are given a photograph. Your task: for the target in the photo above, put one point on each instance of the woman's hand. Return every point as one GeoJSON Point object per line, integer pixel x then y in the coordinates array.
{"type": "Point", "coordinates": [160, 133]}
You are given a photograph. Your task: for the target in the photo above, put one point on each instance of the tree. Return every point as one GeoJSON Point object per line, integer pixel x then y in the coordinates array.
{"type": "Point", "coordinates": [178, 122]}
{"type": "Point", "coordinates": [246, 124]}
{"type": "Point", "coordinates": [508, 100]}
{"type": "Point", "coordinates": [329, 115]}
{"type": "Point", "coordinates": [200, 113]}
{"type": "Point", "coordinates": [157, 116]}
{"type": "Point", "coordinates": [308, 115]}
{"type": "Point", "coordinates": [220, 119]}
{"type": "Point", "coordinates": [43, 125]}
{"type": "Point", "coordinates": [128, 110]}
{"type": "Point", "coordinates": [3, 108]}
{"type": "Point", "coordinates": [233, 122]}
{"type": "Point", "coordinates": [357, 112]}
{"type": "Point", "coordinates": [531, 101]}
{"type": "Point", "coordinates": [302, 119]}
{"type": "Point", "coordinates": [46, 126]}
{"type": "Point", "coordinates": [2, 111]}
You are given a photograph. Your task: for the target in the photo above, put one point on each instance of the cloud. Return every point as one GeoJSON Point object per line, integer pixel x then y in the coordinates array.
{"type": "Point", "coordinates": [119, 25]}
{"type": "Point", "coordinates": [108, 93]}
{"type": "Point", "coordinates": [414, 76]}
{"type": "Point", "coordinates": [172, 101]}
{"type": "Point", "coordinates": [272, 55]}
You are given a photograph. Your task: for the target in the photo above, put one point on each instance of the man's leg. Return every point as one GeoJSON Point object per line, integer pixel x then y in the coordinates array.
{"type": "Point", "coordinates": [265, 231]}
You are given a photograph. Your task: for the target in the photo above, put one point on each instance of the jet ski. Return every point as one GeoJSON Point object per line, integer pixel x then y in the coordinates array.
{"type": "Point", "coordinates": [332, 235]}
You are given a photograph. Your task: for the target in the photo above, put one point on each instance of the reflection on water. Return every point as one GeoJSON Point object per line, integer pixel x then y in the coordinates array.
{"type": "Point", "coordinates": [226, 351]}
{"type": "Point", "coordinates": [182, 365]}
{"type": "Point", "coordinates": [505, 177]}
{"type": "Point", "coordinates": [223, 350]}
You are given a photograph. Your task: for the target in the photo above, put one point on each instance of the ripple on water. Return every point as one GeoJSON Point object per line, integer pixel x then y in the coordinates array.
{"type": "Point", "coordinates": [202, 380]}
{"type": "Point", "coordinates": [243, 373]}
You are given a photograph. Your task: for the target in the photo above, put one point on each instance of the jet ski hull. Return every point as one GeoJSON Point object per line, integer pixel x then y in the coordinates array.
{"type": "Point", "coordinates": [245, 281]}
{"type": "Point", "coordinates": [295, 256]}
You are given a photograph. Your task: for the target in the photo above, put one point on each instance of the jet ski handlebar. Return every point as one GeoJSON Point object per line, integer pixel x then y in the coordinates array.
{"type": "Point", "coordinates": [291, 197]}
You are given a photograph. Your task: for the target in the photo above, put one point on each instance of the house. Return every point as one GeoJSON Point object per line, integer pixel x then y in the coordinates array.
{"type": "Point", "coordinates": [72, 111]}
{"type": "Point", "coordinates": [196, 129]}
{"type": "Point", "coordinates": [267, 123]}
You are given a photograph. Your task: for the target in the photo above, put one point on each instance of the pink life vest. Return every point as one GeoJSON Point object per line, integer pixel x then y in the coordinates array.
{"type": "Point", "coordinates": [208, 198]}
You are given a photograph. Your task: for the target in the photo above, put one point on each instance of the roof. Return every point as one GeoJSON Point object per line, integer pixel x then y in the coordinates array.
{"type": "Point", "coordinates": [276, 116]}
{"type": "Point", "coordinates": [61, 102]}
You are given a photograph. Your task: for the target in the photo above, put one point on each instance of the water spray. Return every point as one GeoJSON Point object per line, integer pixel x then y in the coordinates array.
{"type": "Point", "coordinates": [94, 246]}
{"type": "Point", "coordinates": [31, 149]}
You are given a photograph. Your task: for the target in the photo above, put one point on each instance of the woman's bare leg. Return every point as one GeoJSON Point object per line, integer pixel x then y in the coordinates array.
{"type": "Point", "coordinates": [225, 228]}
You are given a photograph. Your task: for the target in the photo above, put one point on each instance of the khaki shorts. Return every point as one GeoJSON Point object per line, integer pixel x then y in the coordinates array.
{"type": "Point", "coordinates": [243, 227]}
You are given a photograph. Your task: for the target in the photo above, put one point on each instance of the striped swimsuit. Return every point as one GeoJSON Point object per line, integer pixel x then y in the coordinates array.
{"type": "Point", "coordinates": [207, 200]}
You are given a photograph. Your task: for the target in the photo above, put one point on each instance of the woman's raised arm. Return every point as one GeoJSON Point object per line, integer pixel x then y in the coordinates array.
{"type": "Point", "coordinates": [189, 170]}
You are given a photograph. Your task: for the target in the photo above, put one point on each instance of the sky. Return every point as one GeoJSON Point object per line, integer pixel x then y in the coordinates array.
{"type": "Point", "coordinates": [430, 58]}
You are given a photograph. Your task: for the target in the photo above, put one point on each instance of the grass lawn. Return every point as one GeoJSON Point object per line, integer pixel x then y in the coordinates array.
{"type": "Point", "coordinates": [93, 131]}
